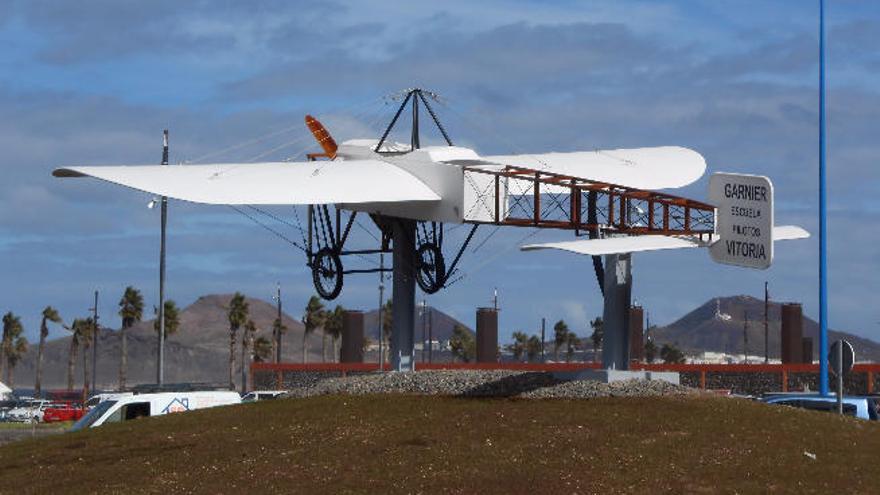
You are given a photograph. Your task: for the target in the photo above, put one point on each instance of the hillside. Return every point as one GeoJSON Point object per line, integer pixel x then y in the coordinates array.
{"type": "Point", "coordinates": [700, 330]}
{"type": "Point", "coordinates": [441, 322]}
{"type": "Point", "coordinates": [402, 444]}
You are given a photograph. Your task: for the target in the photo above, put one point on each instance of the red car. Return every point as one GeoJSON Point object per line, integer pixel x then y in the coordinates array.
{"type": "Point", "coordinates": [62, 411]}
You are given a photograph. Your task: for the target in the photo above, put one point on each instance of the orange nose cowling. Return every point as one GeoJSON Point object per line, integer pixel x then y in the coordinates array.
{"type": "Point", "coordinates": [323, 136]}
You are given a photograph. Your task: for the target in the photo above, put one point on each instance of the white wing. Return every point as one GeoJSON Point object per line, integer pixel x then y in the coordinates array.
{"type": "Point", "coordinates": [640, 168]}
{"type": "Point", "coordinates": [618, 245]}
{"type": "Point", "coordinates": [284, 183]}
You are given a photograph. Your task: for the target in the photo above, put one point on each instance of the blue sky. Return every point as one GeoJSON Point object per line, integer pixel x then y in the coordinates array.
{"type": "Point", "coordinates": [96, 81]}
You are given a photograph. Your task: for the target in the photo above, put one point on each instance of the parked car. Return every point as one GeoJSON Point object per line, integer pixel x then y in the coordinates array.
{"type": "Point", "coordinates": [131, 407]}
{"type": "Point", "coordinates": [30, 410]}
{"type": "Point", "coordinates": [63, 411]}
{"type": "Point", "coordinates": [857, 406]}
{"type": "Point", "coordinates": [258, 395]}
{"type": "Point", "coordinates": [6, 406]}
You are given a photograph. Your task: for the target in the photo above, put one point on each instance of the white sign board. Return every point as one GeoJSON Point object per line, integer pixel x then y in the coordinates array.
{"type": "Point", "coordinates": [743, 221]}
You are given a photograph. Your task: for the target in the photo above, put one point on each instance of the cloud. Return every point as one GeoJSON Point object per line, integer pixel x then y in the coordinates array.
{"type": "Point", "coordinates": [511, 83]}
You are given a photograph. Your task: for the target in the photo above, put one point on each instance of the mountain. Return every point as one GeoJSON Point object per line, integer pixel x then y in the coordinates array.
{"type": "Point", "coordinates": [700, 330]}
{"type": "Point", "coordinates": [198, 352]}
{"type": "Point", "coordinates": [441, 324]}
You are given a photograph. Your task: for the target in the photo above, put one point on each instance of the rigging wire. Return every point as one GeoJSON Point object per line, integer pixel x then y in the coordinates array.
{"type": "Point", "coordinates": [270, 229]}
{"type": "Point", "coordinates": [299, 225]}
{"type": "Point", "coordinates": [486, 239]}
{"type": "Point", "coordinates": [281, 147]}
{"type": "Point", "coordinates": [243, 144]}
{"type": "Point", "coordinates": [354, 108]}
{"type": "Point", "coordinates": [281, 235]}
{"type": "Point", "coordinates": [519, 150]}
{"type": "Point", "coordinates": [491, 259]}
{"type": "Point", "coordinates": [272, 216]}
{"type": "Point", "coordinates": [359, 224]}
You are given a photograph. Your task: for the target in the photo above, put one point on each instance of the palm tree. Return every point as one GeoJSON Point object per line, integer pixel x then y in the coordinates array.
{"type": "Point", "coordinates": [262, 350]}
{"type": "Point", "coordinates": [533, 348]}
{"type": "Point", "coordinates": [12, 328]}
{"type": "Point", "coordinates": [250, 328]}
{"type": "Point", "coordinates": [237, 314]}
{"type": "Point", "coordinates": [278, 329]}
{"type": "Point", "coordinates": [571, 342]}
{"type": "Point", "coordinates": [172, 318]}
{"type": "Point", "coordinates": [596, 325]}
{"type": "Point", "coordinates": [387, 328]}
{"type": "Point", "coordinates": [650, 351]}
{"type": "Point", "coordinates": [73, 350]}
{"type": "Point", "coordinates": [520, 339]}
{"type": "Point", "coordinates": [18, 350]}
{"type": "Point", "coordinates": [49, 314]}
{"type": "Point", "coordinates": [462, 344]}
{"type": "Point", "coordinates": [312, 319]}
{"type": "Point", "coordinates": [333, 327]}
{"type": "Point", "coordinates": [86, 333]}
{"type": "Point", "coordinates": [131, 310]}
{"type": "Point", "coordinates": [560, 331]}
{"type": "Point", "coordinates": [671, 354]}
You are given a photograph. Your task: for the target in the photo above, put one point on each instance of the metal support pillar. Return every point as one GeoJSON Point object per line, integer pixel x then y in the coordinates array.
{"type": "Point", "coordinates": [403, 306]}
{"type": "Point", "coordinates": [615, 316]}
{"type": "Point", "coordinates": [823, 233]}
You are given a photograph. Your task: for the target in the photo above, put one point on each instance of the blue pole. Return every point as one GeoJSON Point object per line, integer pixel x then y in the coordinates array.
{"type": "Point", "coordinates": [823, 248]}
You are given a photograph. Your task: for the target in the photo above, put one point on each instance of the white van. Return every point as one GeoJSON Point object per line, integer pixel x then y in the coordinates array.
{"type": "Point", "coordinates": [99, 398]}
{"type": "Point", "coordinates": [128, 407]}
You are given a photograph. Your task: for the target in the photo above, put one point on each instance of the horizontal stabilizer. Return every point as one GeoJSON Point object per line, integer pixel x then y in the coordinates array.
{"type": "Point", "coordinates": [789, 233]}
{"type": "Point", "coordinates": [616, 245]}
{"type": "Point", "coordinates": [634, 244]}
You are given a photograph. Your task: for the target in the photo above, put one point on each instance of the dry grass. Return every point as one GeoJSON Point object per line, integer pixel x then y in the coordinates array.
{"type": "Point", "coordinates": [383, 444]}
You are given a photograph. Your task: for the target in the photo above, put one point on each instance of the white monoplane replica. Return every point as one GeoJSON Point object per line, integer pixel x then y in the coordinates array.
{"type": "Point", "coordinates": [609, 197]}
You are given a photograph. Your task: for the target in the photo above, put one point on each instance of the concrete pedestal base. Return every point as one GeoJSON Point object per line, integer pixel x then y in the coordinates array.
{"type": "Point", "coordinates": [610, 376]}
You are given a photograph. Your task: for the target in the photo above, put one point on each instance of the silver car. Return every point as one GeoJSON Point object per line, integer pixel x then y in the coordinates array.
{"type": "Point", "coordinates": [857, 406]}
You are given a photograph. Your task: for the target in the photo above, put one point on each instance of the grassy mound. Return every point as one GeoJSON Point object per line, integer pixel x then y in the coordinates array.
{"type": "Point", "coordinates": [384, 444]}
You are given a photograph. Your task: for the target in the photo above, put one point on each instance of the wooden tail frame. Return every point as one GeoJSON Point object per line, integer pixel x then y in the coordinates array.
{"type": "Point", "coordinates": [618, 209]}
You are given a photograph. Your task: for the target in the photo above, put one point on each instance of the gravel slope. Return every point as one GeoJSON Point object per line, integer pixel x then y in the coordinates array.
{"type": "Point", "coordinates": [494, 383]}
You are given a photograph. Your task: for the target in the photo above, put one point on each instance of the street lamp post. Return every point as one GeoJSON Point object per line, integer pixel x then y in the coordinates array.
{"type": "Point", "coordinates": [96, 330]}
{"type": "Point", "coordinates": [160, 368]}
